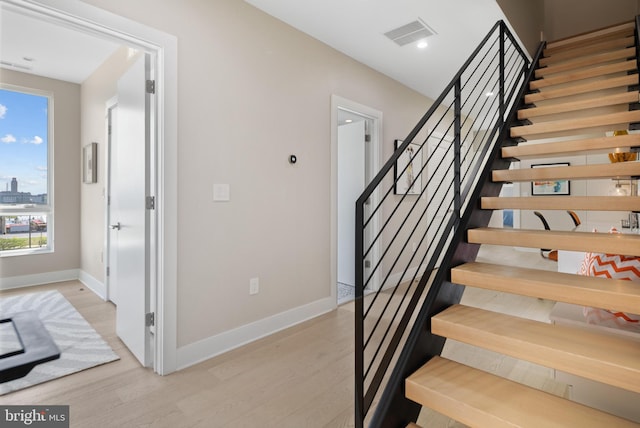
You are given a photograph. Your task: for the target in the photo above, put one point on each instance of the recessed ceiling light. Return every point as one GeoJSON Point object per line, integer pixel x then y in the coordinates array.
{"type": "Point", "coordinates": [348, 121]}
{"type": "Point", "coordinates": [489, 94]}
{"type": "Point", "coordinates": [422, 44]}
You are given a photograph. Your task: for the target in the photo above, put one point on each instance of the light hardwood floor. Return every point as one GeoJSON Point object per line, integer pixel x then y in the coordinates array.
{"type": "Point", "coordinates": [300, 377]}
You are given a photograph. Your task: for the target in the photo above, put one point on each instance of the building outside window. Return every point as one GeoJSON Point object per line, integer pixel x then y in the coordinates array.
{"type": "Point", "coordinates": [26, 164]}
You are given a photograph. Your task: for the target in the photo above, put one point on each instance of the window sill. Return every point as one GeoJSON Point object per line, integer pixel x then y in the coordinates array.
{"type": "Point", "coordinates": [25, 252]}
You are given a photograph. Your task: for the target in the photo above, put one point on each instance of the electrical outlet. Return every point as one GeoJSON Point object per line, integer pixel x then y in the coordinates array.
{"type": "Point", "coordinates": [254, 286]}
{"type": "Point", "coordinates": [221, 193]}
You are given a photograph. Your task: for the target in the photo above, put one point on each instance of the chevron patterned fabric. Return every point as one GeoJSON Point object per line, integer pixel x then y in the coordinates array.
{"type": "Point", "coordinates": [613, 266]}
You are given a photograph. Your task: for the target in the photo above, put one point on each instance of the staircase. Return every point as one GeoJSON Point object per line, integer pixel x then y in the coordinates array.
{"type": "Point", "coordinates": [584, 87]}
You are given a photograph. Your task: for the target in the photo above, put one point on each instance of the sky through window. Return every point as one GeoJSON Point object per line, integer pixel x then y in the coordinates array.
{"type": "Point", "coordinates": [23, 141]}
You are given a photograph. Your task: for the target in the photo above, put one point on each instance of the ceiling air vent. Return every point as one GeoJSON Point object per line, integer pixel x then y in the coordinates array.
{"type": "Point", "coordinates": [411, 32]}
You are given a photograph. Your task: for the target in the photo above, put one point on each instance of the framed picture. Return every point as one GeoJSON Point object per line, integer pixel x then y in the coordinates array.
{"type": "Point", "coordinates": [90, 163]}
{"type": "Point", "coordinates": [550, 187]}
{"type": "Point", "coordinates": [407, 182]}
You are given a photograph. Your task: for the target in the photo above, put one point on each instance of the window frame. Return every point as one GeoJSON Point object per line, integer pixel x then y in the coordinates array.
{"type": "Point", "coordinates": [36, 209]}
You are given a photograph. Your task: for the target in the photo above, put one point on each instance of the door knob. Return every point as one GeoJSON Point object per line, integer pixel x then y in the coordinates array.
{"type": "Point", "coordinates": [116, 226]}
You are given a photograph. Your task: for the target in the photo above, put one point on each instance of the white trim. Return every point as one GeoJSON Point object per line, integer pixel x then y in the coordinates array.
{"type": "Point", "coordinates": [38, 279]}
{"type": "Point", "coordinates": [75, 14]}
{"type": "Point", "coordinates": [110, 105]}
{"type": "Point", "coordinates": [98, 287]}
{"type": "Point", "coordinates": [338, 102]}
{"type": "Point", "coordinates": [205, 349]}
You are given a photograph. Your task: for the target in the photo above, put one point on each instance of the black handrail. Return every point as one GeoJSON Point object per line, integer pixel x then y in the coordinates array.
{"type": "Point", "coordinates": [402, 239]}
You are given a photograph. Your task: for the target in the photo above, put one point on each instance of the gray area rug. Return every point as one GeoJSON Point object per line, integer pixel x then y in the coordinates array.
{"type": "Point", "coordinates": [80, 345]}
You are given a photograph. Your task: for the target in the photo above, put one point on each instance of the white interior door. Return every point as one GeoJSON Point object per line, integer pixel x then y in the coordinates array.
{"type": "Point", "coordinates": [130, 219]}
{"type": "Point", "coordinates": [351, 182]}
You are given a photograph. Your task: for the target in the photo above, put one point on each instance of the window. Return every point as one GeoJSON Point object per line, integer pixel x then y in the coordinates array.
{"type": "Point", "coordinates": [26, 203]}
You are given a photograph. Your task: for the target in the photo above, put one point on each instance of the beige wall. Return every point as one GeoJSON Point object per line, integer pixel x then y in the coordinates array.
{"type": "Point", "coordinates": [527, 20]}
{"type": "Point", "coordinates": [66, 176]}
{"type": "Point", "coordinates": [565, 18]}
{"type": "Point", "coordinates": [558, 19]}
{"type": "Point", "coordinates": [99, 88]}
{"type": "Point", "coordinates": [252, 91]}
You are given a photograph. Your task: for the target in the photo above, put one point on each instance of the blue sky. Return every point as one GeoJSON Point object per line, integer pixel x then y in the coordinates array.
{"type": "Point", "coordinates": [23, 141]}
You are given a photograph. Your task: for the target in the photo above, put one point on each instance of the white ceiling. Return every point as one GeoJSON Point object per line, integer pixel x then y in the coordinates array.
{"type": "Point", "coordinates": [54, 51]}
{"type": "Point", "coordinates": [356, 28]}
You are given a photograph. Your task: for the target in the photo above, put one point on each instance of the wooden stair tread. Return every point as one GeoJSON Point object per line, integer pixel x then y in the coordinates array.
{"type": "Point", "coordinates": [602, 293]}
{"type": "Point", "coordinates": [586, 61]}
{"type": "Point", "coordinates": [576, 123]}
{"type": "Point", "coordinates": [579, 146]}
{"type": "Point", "coordinates": [618, 170]}
{"type": "Point", "coordinates": [601, 70]}
{"type": "Point", "coordinates": [550, 57]}
{"type": "Point", "coordinates": [613, 243]}
{"type": "Point", "coordinates": [480, 399]}
{"type": "Point", "coordinates": [587, 203]}
{"type": "Point", "coordinates": [582, 88]}
{"type": "Point", "coordinates": [610, 100]}
{"type": "Point", "coordinates": [593, 355]}
{"type": "Point", "coordinates": [615, 31]}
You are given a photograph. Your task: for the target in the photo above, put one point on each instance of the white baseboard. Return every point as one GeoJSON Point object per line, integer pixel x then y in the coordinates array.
{"type": "Point", "coordinates": [38, 279]}
{"type": "Point", "coordinates": [215, 345]}
{"type": "Point", "coordinates": [93, 284]}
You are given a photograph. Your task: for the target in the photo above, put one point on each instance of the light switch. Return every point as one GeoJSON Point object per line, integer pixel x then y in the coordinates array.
{"type": "Point", "coordinates": [221, 193]}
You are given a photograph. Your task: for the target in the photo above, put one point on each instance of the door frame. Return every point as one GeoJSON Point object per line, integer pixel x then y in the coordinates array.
{"type": "Point", "coordinates": [111, 104]}
{"type": "Point", "coordinates": [164, 49]}
{"type": "Point", "coordinates": [372, 167]}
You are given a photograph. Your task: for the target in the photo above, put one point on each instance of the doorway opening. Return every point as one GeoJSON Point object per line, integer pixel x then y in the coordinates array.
{"type": "Point", "coordinates": [160, 259]}
{"type": "Point", "coordinates": [356, 131]}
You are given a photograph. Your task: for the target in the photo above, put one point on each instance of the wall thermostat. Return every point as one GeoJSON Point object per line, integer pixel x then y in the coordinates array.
{"type": "Point", "coordinates": [293, 159]}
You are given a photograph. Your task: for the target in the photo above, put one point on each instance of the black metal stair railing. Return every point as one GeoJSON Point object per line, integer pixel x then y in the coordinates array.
{"type": "Point", "coordinates": [409, 214]}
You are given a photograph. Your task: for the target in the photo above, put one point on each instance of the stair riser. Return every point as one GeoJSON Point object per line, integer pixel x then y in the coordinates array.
{"type": "Point", "coordinates": [545, 344]}
{"type": "Point", "coordinates": [603, 242]}
{"type": "Point", "coordinates": [583, 88]}
{"type": "Point", "coordinates": [619, 170]}
{"type": "Point", "coordinates": [615, 120]}
{"type": "Point", "coordinates": [622, 54]}
{"type": "Point", "coordinates": [586, 74]}
{"type": "Point", "coordinates": [612, 100]}
{"type": "Point", "coordinates": [586, 203]}
{"type": "Point", "coordinates": [461, 392]}
{"type": "Point", "coordinates": [623, 42]}
{"type": "Point", "coordinates": [611, 33]}
{"type": "Point", "coordinates": [579, 146]}
{"type": "Point", "coordinates": [561, 287]}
